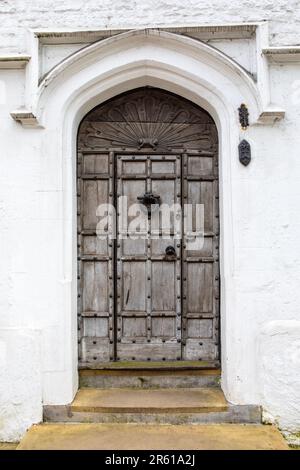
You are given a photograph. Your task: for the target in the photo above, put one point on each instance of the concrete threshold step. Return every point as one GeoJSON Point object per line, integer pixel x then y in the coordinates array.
{"type": "Point", "coordinates": [152, 437]}
{"type": "Point", "coordinates": [173, 406]}
{"type": "Point", "coordinates": [149, 401]}
{"type": "Point", "coordinates": [149, 378]}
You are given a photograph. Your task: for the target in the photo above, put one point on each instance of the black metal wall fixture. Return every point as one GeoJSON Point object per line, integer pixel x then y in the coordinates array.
{"type": "Point", "coordinates": [243, 116]}
{"type": "Point", "coordinates": [244, 152]}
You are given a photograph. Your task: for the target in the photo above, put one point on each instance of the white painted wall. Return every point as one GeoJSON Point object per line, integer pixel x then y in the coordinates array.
{"type": "Point", "coordinates": [17, 15]}
{"type": "Point", "coordinates": [20, 309]}
{"type": "Point", "coordinates": [20, 381]}
{"type": "Point", "coordinates": [279, 350]}
{"type": "Point", "coordinates": [261, 225]}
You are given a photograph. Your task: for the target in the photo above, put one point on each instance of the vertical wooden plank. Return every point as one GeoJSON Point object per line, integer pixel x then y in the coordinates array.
{"type": "Point", "coordinates": [200, 268]}
{"type": "Point", "coordinates": [95, 288]}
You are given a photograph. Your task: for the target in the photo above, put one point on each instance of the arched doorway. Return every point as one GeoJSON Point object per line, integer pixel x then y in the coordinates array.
{"type": "Point", "coordinates": [147, 299]}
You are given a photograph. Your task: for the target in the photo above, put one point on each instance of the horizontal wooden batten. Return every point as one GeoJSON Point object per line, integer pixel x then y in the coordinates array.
{"type": "Point", "coordinates": [94, 258]}
{"type": "Point", "coordinates": [199, 259]}
{"type": "Point", "coordinates": [87, 232]}
{"type": "Point", "coordinates": [199, 315]}
{"type": "Point", "coordinates": [145, 258]}
{"type": "Point", "coordinates": [201, 178]}
{"type": "Point", "coordinates": [144, 177]}
{"type": "Point", "coordinates": [91, 314]}
{"type": "Point", "coordinates": [129, 151]}
{"type": "Point", "coordinates": [153, 365]}
{"type": "Point", "coordinates": [88, 372]}
{"type": "Point", "coordinates": [94, 177]}
{"type": "Point", "coordinates": [153, 314]}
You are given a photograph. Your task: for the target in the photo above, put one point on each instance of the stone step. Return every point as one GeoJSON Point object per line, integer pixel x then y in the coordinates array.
{"type": "Point", "coordinates": [183, 400]}
{"type": "Point", "coordinates": [145, 378]}
{"type": "Point", "coordinates": [151, 437]}
{"type": "Point", "coordinates": [196, 405]}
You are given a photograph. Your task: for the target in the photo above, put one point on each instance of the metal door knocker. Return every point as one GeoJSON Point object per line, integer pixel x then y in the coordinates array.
{"type": "Point", "coordinates": [170, 251]}
{"type": "Point", "coordinates": [150, 201]}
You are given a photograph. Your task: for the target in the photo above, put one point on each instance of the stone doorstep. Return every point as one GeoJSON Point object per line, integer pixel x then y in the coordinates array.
{"type": "Point", "coordinates": [50, 436]}
{"type": "Point", "coordinates": [147, 378]}
{"type": "Point", "coordinates": [196, 400]}
{"type": "Point", "coordinates": [235, 414]}
{"type": "Point", "coordinates": [164, 406]}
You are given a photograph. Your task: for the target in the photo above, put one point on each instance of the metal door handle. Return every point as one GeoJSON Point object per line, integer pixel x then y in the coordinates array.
{"type": "Point", "coordinates": [170, 251]}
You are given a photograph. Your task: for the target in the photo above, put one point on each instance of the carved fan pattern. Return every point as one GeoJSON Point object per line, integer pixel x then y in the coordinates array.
{"type": "Point", "coordinates": [147, 117]}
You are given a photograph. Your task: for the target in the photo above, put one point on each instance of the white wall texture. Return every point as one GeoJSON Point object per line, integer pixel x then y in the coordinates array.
{"type": "Point", "coordinates": [279, 392]}
{"type": "Point", "coordinates": [17, 15]}
{"type": "Point", "coordinates": [20, 382]}
{"type": "Point", "coordinates": [265, 259]}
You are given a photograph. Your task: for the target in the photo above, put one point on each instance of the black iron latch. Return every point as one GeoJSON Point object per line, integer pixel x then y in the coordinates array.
{"type": "Point", "coordinates": [149, 199]}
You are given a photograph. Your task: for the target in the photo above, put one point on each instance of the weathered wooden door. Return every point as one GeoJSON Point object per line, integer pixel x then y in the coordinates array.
{"type": "Point", "coordinates": [148, 279]}
{"type": "Point", "coordinates": [151, 298]}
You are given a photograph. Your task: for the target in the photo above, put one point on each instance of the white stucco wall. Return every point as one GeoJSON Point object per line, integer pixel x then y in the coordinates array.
{"type": "Point", "coordinates": [20, 335]}
{"type": "Point", "coordinates": [20, 382]}
{"type": "Point", "coordinates": [16, 15]}
{"type": "Point", "coordinates": [279, 392]}
{"type": "Point", "coordinates": [262, 215]}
